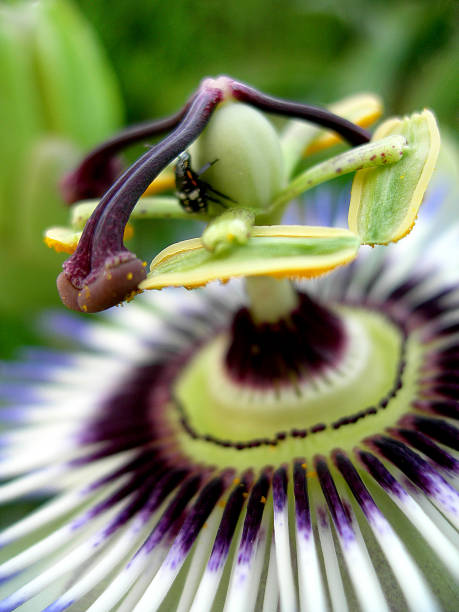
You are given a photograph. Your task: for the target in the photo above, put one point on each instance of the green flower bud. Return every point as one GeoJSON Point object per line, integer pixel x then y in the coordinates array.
{"type": "Point", "coordinates": [250, 167]}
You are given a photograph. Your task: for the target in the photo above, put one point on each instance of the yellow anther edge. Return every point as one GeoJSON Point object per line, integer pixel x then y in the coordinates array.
{"type": "Point", "coordinates": [63, 240]}
{"type": "Point", "coordinates": [59, 247]}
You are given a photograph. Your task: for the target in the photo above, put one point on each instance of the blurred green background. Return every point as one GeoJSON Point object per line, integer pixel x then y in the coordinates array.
{"type": "Point", "coordinates": [317, 51]}
{"type": "Point", "coordinates": [72, 72]}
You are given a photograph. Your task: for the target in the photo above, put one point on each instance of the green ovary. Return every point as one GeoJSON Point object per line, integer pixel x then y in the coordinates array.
{"type": "Point", "coordinates": [216, 406]}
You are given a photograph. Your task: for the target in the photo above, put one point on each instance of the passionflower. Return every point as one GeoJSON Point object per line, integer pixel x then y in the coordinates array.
{"type": "Point", "coordinates": [288, 445]}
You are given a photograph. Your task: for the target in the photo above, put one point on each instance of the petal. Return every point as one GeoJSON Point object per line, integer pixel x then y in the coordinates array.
{"type": "Point", "coordinates": [385, 201]}
{"type": "Point", "coordinates": [281, 251]}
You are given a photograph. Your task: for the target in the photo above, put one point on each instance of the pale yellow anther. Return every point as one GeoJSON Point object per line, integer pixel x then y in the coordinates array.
{"type": "Point", "coordinates": [65, 240]}
{"type": "Point", "coordinates": [362, 109]}
{"type": "Point", "coordinates": [62, 239]}
{"type": "Point", "coordinates": [164, 182]}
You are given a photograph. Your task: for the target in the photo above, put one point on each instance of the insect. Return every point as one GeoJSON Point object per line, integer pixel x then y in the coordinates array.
{"type": "Point", "coordinates": [193, 193]}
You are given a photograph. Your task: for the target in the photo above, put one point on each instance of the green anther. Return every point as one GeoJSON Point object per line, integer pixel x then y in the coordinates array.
{"type": "Point", "coordinates": [280, 251]}
{"type": "Point", "coordinates": [385, 201]}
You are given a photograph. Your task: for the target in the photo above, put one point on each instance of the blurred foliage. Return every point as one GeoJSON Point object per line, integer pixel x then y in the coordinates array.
{"type": "Point", "coordinates": [404, 50]}
{"type": "Point", "coordinates": [58, 96]}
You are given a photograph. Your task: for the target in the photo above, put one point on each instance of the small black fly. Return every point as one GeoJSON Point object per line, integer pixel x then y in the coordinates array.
{"type": "Point", "coordinates": [193, 193]}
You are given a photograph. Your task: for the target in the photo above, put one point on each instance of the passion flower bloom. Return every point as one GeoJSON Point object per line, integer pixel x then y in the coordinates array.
{"type": "Point", "coordinates": [290, 445]}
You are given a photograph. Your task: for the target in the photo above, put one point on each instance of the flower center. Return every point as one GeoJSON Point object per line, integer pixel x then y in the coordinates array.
{"type": "Point", "coordinates": [292, 403]}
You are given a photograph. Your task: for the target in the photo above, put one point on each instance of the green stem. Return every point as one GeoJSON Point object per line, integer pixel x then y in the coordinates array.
{"type": "Point", "coordinates": [382, 152]}
{"type": "Point", "coordinates": [270, 299]}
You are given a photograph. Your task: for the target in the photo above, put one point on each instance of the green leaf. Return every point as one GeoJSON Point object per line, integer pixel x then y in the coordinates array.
{"type": "Point", "coordinates": [385, 200]}
{"type": "Point", "coordinates": [77, 84]}
{"type": "Point", "coordinates": [279, 251]}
